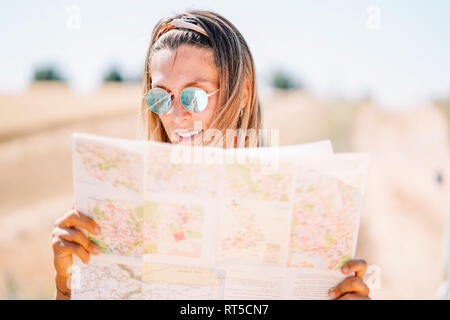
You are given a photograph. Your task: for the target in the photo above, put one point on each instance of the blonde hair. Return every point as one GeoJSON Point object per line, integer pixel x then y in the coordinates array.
{"type": "Point", "coordinates": [236, 69]}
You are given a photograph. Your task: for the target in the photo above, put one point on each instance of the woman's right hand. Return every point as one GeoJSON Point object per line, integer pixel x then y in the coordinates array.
{"type": "Point", "coordinates": [68, 239]}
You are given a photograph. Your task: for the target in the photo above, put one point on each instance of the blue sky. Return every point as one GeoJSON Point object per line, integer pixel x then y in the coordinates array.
{"type": "Point", "coordinates": [334, 47]}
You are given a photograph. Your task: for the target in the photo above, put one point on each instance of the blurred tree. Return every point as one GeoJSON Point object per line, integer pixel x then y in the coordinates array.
{"type": "Point", "coordinates": [285, 81]}
{"type": "Point", "coordinates": [444, 105]}
{"type": "Point", "coordinates": [113, 75]}
{"type": "Point", "coordinates": [47, 73]}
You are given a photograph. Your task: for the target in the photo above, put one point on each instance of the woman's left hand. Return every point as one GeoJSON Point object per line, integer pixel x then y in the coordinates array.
{"type": "Point", "coordinates": [353, 287]}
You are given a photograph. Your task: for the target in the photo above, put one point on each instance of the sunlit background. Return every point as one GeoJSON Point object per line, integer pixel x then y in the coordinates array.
{"type": "Point", "coordinates": [368, 75]}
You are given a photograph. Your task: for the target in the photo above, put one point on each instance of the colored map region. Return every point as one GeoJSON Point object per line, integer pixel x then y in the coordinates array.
{"type": "Point", "coordinates": [120, 224]}
{"type": "Point", "coordinates": [249, 181]}
{"type": "Point", "coordinates": [115, 280]}
{"type": "Point", "coordinates": [102, 163]}
{"type": "Point", "coordinates": [173, 229]}
{"type": "Point", "coordinates": [325, 220]}
{"type": "Point", "coordinates": [123, 278]}
{"type": "Point", "coordinates": [169, 171]}
{"type": "Point", "coordinates": [166, 281]}
{"type": "Point", "coordinates": [253, 232]}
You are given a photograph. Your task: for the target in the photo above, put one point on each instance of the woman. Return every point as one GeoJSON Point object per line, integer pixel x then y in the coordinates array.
{"type": "Point", "coordinates": [199, 78]}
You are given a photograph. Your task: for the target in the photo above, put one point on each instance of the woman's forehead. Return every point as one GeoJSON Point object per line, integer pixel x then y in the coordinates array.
{"type": "Point", "coordinates": [185, 63]}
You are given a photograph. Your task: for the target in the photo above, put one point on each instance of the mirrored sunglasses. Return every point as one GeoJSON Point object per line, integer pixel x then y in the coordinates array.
{"type": "Point", "coordinates": [193, 100]}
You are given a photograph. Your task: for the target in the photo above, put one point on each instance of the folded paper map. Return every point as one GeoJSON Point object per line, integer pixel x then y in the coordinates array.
{"type": "Point", "coordinates": [182, 222]}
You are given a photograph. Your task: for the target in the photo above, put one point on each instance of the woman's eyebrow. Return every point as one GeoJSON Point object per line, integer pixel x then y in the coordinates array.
{"type": "Point", "coordinates": [190, 83]}
{"type": "Point", "coordinates": [196, 82]}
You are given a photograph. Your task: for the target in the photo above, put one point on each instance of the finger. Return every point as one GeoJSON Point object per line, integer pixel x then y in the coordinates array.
{"type": "Point", "coordinates": [354, 296]}
{"type": "Point", "coordinates": [77, 236]}
{"type": "Point", "coordinates": [358, 266]}
{"type": "Point", "coordinates": [74, 218]}
{"type": "Point", "coordinates": [349, 285]}
{"type": "Point", "coordinates": [64, 247]}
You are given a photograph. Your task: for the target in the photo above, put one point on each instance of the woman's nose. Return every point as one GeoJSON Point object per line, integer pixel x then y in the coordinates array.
{"type": "Point", "coordinates": [179, 113]}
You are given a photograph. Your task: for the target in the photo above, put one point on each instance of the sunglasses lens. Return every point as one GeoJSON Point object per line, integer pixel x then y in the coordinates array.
{"type": "Point", "coordinates": [194, 99]}
{"type": "Point", "coordinates": [158, 100]}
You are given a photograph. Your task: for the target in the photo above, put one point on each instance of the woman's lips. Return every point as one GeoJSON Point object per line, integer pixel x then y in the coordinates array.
{"type": "Point", "coordinates": [190, 138]}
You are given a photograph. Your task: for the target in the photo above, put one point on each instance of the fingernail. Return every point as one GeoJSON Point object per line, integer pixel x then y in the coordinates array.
{"type": "Point", "coordinates": [331, 294]}
{"type": "Point", "coordinates": [345, 269]}
{"type": "Point", "coordinates": [97, 230]}
{"type": "Point", "coordinates": [96, 250]}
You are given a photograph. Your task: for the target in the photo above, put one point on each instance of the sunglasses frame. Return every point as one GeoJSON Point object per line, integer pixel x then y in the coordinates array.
{"type": "Point", "coordinates": [172, 95]}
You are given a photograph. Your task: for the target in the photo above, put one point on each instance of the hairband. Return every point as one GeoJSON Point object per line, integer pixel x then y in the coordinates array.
{"type": "Point", "coordinates": [181, 24]}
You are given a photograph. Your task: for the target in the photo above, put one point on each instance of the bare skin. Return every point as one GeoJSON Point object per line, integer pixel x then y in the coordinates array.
{"type": "Point", "coordinates": [172, 71]}
{"type": "Point", "coordinates": [352, 287]}
{"type": "Point", "coordinates": [67, 240]}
